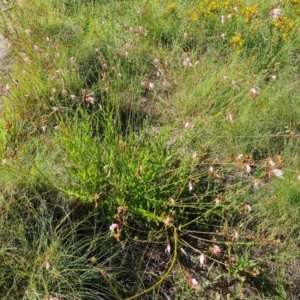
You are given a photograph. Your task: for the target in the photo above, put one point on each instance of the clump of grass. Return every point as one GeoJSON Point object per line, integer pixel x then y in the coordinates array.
{"type": "Point", "coordinates": [170, 122]}
{"type": "Point", "coordinates": [48, 251]}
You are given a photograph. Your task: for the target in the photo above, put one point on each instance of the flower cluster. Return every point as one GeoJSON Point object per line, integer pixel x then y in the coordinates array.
{"type": "Point", "coordinates": [250, 12]}
{"type": "Point", "coordinates": [234, 14]}
{"type": "Point", "coordinates": [282, 23]}
{"type": "Point", "coordinates": [171, 7]}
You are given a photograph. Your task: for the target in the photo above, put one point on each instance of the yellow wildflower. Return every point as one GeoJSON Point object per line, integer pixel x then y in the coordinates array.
{"type": "Point", "coordinates": [237, 40]}
{"type": "Point", "coordinates": [227, 5]}
{"type": "Point", "coordinates": [276, 23]}
{"type": "Point", "coordinates": [213, 7]}
{"type": "Point", "coordinates": [193, 15]}
{"type": "Point", "coordinates": [284, 23]}
{"type": "Point", "coordinates": [250, 12]}
{"type": "Point", "coordinates": [171, 7]}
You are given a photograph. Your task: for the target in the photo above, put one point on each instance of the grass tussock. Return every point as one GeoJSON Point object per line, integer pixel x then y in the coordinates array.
{"type": "Point", "coordinates": [150, 150]}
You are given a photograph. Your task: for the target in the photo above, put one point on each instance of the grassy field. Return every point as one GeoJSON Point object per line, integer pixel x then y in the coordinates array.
{"type": "Point", "coordinates": [150, 150]}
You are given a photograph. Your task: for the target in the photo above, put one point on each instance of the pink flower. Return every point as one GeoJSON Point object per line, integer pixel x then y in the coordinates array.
{"type": "Point", "coordinates": [271, 163]}
{"type": "Point", "coordinates": [114, 227]}
{"type": "Point", "coordinates": [218, 200]}
{"type": "Point", "coordinates": [188, 124]}
{"type": "Point", "coordinates": [57, 74]}
{"type": "Point", "coordinates": [27, 59]}
{"type": "Point", "coordinates": [254, 91]}
{"type": "Point", "coordinates": [171, 200]}
{"type": "Point", "coordinates": [278, 173]}
{"type": "Point", "coordinates": [47, 265]}
{"type": "Point", "coordinates": [160, 73]}
{"type": "Point", "coordinates": [276, 13]}
{"type": "Point", "coordinates": [151, 86]}
{"type": "Point", "coordinates": [229, 117]}
{"type": "Point", "coordinates": [148, 85]}
{"type": "Point", "coordinates": [248, 169]}
{"type": "Point", "coordinates": [235, 234]}
{"type": "Point", "coordinates": [156, 61]}
{"type": "Point", "coordinates": [248, 207]}
{"type": "Point", "coordinates": [216, 250]}
{"type": "Point", "coordinates": [4, 161]}
{"type": "Point", "coordinates": [90, 99]}
{"type": "Point", "coordinates": [6, 89]}
{"type": "Point", "coordinates": [168, 248]}
{"type": "Point", "coordinates": [187, 62]}
{"type": "Point", "coordinates": [256, 184]}
{"type": "Point", "coordinates": [202, 259]}
{"type": "Point", "coordinates": [168, 220]}
{"type": "Point", "coordinates": [240, 157]}
{"type": "Point", "coordinates": [190, 185]}
{"type": "Point", "coordinates": [194, 282]}
{"type": "Point", "coordinates": [195, 156]}
{"type": "Point", "coordinates": [122, 209]}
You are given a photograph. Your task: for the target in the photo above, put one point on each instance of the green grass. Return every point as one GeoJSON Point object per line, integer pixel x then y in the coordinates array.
{"type": "Point", "coordinates": [163, 121]}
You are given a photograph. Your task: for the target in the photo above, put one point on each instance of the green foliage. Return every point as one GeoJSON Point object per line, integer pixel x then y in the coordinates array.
{"type": "Point", "coordinates": [173, 126]}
